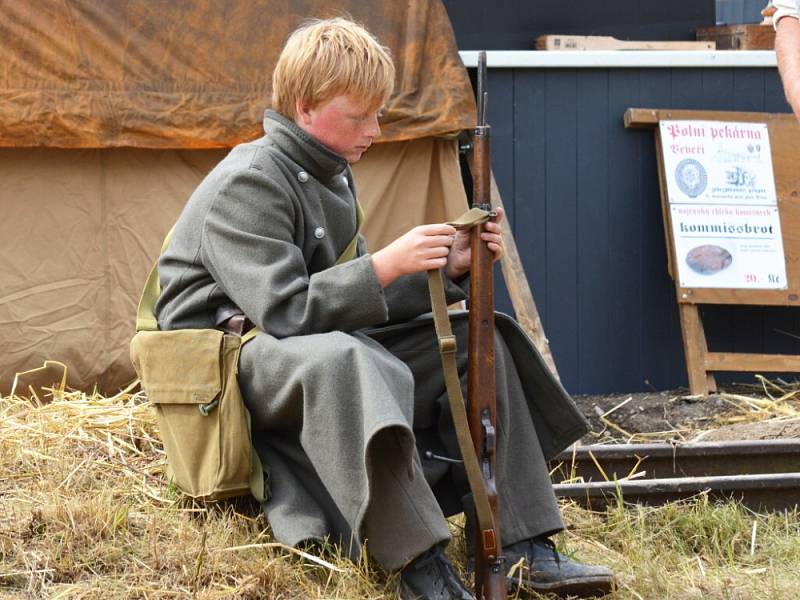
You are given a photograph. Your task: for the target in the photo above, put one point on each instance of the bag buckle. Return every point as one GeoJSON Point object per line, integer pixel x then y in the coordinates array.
{"type": "Point", "coordinates": [205, 409]}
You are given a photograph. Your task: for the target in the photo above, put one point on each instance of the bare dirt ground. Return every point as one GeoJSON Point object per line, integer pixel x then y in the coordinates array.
{"type": "Point", "coordinates": [677, 416]}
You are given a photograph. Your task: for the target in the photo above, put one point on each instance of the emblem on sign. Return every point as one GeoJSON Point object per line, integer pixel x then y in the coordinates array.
{"type": "Point", "coordinates": [691, 177]}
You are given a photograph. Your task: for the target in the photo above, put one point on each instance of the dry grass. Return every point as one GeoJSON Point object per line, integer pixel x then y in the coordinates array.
{"type": "Point", "coordinates": [85, 512]}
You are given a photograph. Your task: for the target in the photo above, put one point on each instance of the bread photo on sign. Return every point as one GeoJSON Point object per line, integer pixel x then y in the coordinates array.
{"type": "Point", "coordinates": [708, 259]}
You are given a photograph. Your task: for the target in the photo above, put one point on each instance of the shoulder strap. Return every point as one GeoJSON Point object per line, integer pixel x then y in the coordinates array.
{"type": "Point", "coordinates": [447, 349]}
{"type": "Point", "coordinates": [145, 317]}
{"type": "Point", "coordinates": [350, 252]}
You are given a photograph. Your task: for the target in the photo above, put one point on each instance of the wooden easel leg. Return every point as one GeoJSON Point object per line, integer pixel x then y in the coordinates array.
{"type": "Point", "coordinates": [695, 348]}
{"type": "Point", "coordinates": [711, 382]}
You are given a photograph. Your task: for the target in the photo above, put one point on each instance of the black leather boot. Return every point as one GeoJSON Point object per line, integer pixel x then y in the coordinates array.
{"type": "Point", "coordinates": [549, 572]}
{"type": "Point", "coordinates": [431, 576]}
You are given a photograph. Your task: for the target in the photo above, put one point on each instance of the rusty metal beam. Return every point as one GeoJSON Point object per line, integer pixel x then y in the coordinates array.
{"type": "Point", "coordinates": [773, 491]}
{"type": "Point", "coordinates": [663, 460]}
{"type": "Point", "coordinates": [761, 474]}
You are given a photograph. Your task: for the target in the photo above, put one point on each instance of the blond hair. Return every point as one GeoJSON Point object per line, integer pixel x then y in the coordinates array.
{"type": "Point", "coordinates": [323, 59]}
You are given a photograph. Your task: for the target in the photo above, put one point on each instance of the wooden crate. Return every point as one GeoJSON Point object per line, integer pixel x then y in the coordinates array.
{"type": "Point", "coordinates": [739, 37]}
{"type": "Point", "coordinates": [604, 42]}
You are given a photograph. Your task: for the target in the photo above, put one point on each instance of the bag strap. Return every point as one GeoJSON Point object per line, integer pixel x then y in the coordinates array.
{"type": "Point", "coordinates": [145, 315]}
{"type": "Point", "coordinates": [349, 253]}
{"type": "Point", "coordinates": [447, 350]}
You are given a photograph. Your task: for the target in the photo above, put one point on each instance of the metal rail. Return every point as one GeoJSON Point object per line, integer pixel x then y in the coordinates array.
{"type": "Point", "coordinates": [763, 474]}
{"type": "Point", "coordinates": [773, 491]}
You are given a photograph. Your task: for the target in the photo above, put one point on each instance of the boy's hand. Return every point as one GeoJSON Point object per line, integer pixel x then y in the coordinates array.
{"type": "Point", "coordinates": [423, 248]}
{"type": "Point", "coordinates": [459, 260]}
{"type": "Point", "coordinates": [432, 247]}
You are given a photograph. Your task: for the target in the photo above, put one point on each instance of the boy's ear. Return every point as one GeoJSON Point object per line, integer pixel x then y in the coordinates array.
{"type": "Point", "coordinates": [303, 111]}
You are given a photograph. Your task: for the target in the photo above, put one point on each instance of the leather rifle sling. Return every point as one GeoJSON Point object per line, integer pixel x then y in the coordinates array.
{"type": "Point", "coordinates": [447, 350]}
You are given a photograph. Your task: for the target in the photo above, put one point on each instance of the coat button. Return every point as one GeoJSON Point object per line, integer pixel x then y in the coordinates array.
{"type": "Point", "coordinates": [319, 233]}
{"type": "Point", "coordinates": [302, 176]}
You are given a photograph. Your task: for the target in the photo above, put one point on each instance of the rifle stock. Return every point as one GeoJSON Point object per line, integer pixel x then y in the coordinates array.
{"type": "Point", "coordinates": [490, 581]}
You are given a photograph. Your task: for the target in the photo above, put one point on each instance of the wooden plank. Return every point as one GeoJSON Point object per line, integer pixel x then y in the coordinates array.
{"type": "Point", "coordinates": [530, 199]}
{"type": "Point", "coordinates": [717, 89]}
{"type": "Point", "coordinates": [740, 361]}
{"type": "Point", "coordinates": [649, 117]}
{"type": "Point", "coordinates": [696, 350]}
{"type": "Point", "coordinates": [640, 117]}
{"type": "Point", "coordinates": [594, 296]}
{"type": "Point", "coordinates": [774, 96]}
{"type": "Point", "coordinates": [604, 42]}
{"type": "Point", "coordinates": [661, 350]}
{"type": "Point", "coordinates": [561, 216]}
{"type": "Point", "coordinates": [519, 289]}
{"type": "Point", "coordinates": [748, 89]}
{"type": "Point", "coordinates": [737, 296]}
{"type": "Point", "coordinates": [625, 210]}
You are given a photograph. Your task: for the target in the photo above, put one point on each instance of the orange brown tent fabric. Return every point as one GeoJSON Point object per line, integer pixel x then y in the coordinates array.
{"type": "Point", "coordinates": [403, 184]}
{"type": "Point", "coordinates": [197, 73]}
{"type": "Point", "coordinates": [82, 228]}
{"type": "Point", "coordinates": [112, 112]}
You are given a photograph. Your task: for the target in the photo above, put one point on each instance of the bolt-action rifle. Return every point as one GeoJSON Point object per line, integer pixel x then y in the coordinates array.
{"type": "Point", "coordinates": [490, 577]}
{"type": "Point", "coordinates": [475, 424]}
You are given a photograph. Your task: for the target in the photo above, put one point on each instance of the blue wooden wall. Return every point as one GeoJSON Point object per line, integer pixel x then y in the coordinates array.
{"type": "Point", "coordinates": [582, 195]}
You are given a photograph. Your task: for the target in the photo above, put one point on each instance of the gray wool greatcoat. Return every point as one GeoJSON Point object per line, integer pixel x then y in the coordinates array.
{"type": "Point", "coordinates": [345, 373]}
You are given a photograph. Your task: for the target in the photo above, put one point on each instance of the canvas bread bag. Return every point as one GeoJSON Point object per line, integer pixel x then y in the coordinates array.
{"type": "Point", "coordinates": [189, 375]}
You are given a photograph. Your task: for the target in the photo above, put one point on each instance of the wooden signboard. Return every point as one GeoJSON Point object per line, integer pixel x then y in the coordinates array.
{"type": "Point", "coordinates": [769, 279]}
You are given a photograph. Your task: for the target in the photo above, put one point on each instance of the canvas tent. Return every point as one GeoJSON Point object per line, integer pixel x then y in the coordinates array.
{"type": "Point", "coordinates": [112, 112]}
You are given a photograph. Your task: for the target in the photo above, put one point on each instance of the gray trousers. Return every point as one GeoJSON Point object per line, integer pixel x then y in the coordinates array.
{"type": "Point", "coordinates": [407, 505]}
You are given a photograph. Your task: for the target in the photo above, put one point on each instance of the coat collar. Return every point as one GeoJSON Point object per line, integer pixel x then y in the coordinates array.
{"type": "Point", "coordinates": [321, 162]}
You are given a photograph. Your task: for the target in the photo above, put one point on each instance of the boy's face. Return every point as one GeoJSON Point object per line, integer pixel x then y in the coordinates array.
{"type": "Point", "coordinates": [342, 124]}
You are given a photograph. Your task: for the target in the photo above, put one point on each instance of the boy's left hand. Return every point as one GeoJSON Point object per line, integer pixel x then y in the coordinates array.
{"type": "Point", "coordinates": [458, 261]}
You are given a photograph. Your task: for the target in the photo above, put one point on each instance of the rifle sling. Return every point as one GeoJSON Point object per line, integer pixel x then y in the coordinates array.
{"type": "Point", "coordinates": [447, 350]}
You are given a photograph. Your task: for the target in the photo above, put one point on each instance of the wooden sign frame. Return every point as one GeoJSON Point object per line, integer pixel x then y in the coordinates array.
{"type": "Point", "coordinates": [784, 134]}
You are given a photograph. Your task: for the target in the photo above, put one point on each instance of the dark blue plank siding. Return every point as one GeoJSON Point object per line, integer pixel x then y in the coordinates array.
{"type": "Point", "coordinates": [593, 326]}
{"type": "Point", "coordinates": [582, 195]}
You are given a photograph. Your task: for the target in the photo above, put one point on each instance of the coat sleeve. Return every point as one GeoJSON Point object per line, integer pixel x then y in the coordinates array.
{"type": "Point", "coordinates": [249, 246]}
{"type": "Point", "coordinates": [408, 296]}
